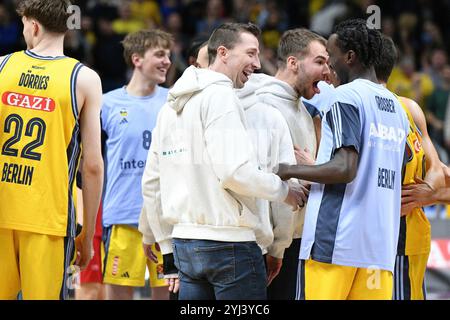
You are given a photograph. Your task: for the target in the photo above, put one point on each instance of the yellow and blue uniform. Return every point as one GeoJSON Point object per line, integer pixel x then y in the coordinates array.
{"type": "Point", "coordinates": [127, 122]}
{"type": "Point", "coordinates": [415, 230]}
{"type": "Point", "coordinates": [39, 156]}
{"type": "Point", "coordinates": [124, 260]}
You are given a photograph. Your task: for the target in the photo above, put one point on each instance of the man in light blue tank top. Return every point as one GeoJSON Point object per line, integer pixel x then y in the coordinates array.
{"type": "Point", "coordinates": [128, 117]}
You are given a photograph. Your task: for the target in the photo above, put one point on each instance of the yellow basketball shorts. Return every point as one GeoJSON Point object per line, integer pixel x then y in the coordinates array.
{"type": "Point", "coordinates": [124, 260]}
{"type": "Point", "coordinates": [39, 265]}
{"type": "Point", "coordinates": [324, 281]}
{"type": "Point", "coordinates": [409, 277]}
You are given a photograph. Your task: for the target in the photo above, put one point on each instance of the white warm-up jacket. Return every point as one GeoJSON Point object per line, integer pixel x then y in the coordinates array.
{"type": "Point", "coordinates": [271, 138]}
{"type": "Point", "coordinates": [283, 97]}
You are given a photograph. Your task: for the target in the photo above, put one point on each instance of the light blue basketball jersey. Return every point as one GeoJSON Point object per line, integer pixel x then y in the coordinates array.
{"type": "Point", "coordinates": [357, 224]}
{"type": "Point", "coordinates": [322, 101]}
{"type": "Point", "coordinates": [128, 122]}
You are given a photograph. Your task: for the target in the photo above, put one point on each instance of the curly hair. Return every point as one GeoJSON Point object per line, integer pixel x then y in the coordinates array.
{"type": "Point", "coordinates": [354, 35]}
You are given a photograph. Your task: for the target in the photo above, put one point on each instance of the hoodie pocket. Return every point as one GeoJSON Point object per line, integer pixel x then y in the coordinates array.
{"type": "Point", "coordinates": [247, 218]}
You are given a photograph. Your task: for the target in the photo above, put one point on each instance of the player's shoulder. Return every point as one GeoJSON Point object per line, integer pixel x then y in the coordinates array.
{"type": "Point", "coordinates": [87, 75]}
{"type": "Point", "coordinates": [111, 98]}
{"type": "Point", "coordinates": [415, 110]}
{"type": "Point", "coordinates": [5, 58]}
{"type": "Point", "coordinates": [349, 93]}
{"type": "Point", "coordinates": [412, 106]}
{"type": "Point", "coordinates": [88, 81]}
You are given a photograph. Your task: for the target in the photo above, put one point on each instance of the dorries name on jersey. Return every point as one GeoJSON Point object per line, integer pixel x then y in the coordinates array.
{"type": "Point", "coordinates": [385, 104]}
{"type": "Point", "coordinates": [383, 132]}
{"type": "Point", "coordinates": [33, 81]}
{"type": "Point", "coordinates": [20, 100]}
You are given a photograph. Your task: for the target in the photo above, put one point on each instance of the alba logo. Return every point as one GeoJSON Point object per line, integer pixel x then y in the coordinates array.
{"type": "Point", "coordinates": [28, 101]}
{"type": "Point", "coordinates": [387, 133]}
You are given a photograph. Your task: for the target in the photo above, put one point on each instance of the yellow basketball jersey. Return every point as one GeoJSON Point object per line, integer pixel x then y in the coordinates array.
{"type": "Point", "coordinates": [415, 229]}
{"type": "Point", "coordinates": [39, 143]}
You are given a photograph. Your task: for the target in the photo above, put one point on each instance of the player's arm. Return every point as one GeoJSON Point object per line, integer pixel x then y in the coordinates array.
{"type": "Point", "coordinates": [424, 192]}
{"type": "Point", "coordinates": [238, 173]}
{"type": "Point", "coordinates": [151, 222]}
{"type": "Point", "coordinates": [434, 175]}
{"type": "Point", "coordinates": [89, 97]}
{"type": "Point", "coordinates": [281, 215]}
{"type": "Point", "coordinates": [345, 124]}
{"type": "Point", "coordinates": [421, 193]}
{"type": "Point", "coordinates": [153, 226]}
{"type": "Point", "coordinates": [341, 169]}
{"type": "Point", "coordinates": [442, 195]}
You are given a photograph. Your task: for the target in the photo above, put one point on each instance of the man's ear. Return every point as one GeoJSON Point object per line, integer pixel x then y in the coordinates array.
{"type": "Point", "coordinates": [136, 60]}
{"type": "Point", "coordinates": [222, 53]}
{"type": "Point", "coordinates": [36, 27]}
{"type": "Point", "coordinates": [350, 57]}
{"type": "Point", "coordinates": [292, 63]}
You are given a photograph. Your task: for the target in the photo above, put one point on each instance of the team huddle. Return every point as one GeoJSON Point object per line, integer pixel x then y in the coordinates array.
{"type": "Point", "coordinates": [232, 184]}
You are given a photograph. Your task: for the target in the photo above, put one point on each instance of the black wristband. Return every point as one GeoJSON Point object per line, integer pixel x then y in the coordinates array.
{"type": "Point", "coordinates": [78, 230]}
{"type": "Point", "coordinates": [169, 264]}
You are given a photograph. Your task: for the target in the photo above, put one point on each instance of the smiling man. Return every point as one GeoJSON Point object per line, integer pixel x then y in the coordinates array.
{"type": "Point", "coordinates": [202, 179]}
{"type": "Point", "coordinates": [128, 118]}
{"type": "Point", "coordinates": [302, 63]}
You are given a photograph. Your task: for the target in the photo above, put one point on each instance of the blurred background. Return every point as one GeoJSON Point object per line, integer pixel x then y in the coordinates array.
{"type": "Point", "coordinates": [420, 29]}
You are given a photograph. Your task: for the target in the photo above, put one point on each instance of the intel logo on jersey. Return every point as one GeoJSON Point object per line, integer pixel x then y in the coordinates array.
{"type": "Point", "coordinates": [383, 132]}
{"type": "Point", "coordinates": [131, 164]}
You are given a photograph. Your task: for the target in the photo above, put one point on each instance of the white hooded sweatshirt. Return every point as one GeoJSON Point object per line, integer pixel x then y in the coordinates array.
{"type": "Point", "coordinates": [283, 97]}
{"type": "Point", "coordinates": [201, 178]}
{"type": "Point", "coordinates": [270, 135]}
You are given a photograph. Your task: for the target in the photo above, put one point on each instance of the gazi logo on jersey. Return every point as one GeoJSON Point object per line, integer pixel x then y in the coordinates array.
{"type": "Point", "coordinates": [390, 134]}
{"type": "Point", "coordinates": [27, 101]}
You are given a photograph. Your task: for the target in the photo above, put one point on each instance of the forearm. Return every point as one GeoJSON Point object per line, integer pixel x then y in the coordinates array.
{"type": "Point", "coordinates": [249, 181]}
{"type": "Point", "coordinates": [434, 175]}
{"type": "Point", "coordinates": [442, 195]}
{"type": "Point", "coordinates": [435, 178]}
{"type": "Point", "coordinates": [154, 221]}
{"type": "Point", "coordinates": [341, 169]}
{"type": "Point", "coordinates": [92, 190]}
{"type": "Point", "coordinates": [229, 148]}
{"type": "Point", "coordinates": [283, 229]}
{"type": "Point", "coordinates": [144, 228]}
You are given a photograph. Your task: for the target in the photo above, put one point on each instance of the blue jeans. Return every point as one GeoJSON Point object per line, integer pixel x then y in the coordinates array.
{"type": "Point", "coordinates": [211, 270]}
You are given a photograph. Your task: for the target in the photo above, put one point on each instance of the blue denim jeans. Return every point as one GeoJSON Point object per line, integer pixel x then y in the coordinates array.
{"type": "Point", "coordinates": [211, 270]}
